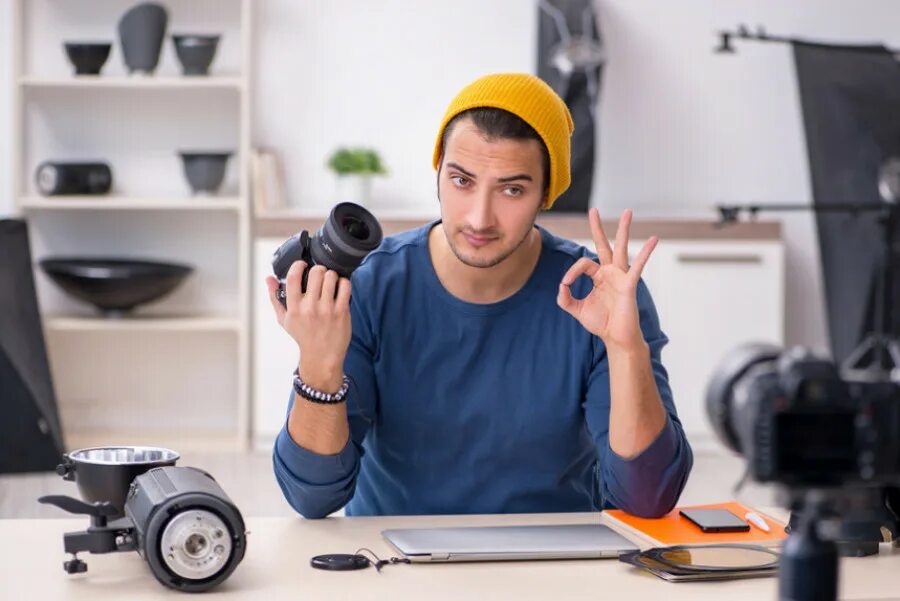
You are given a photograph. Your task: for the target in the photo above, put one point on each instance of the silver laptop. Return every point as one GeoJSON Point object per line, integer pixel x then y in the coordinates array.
{"type": "Point", "coordinates": [575, 541]}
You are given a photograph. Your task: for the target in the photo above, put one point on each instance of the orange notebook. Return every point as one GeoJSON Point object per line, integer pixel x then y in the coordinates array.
{"type": "Point", "coordinates": [673, 529]}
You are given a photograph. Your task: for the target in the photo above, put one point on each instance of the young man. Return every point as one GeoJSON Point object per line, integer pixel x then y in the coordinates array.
{"type": "Point", "coordinates": [484, 374]}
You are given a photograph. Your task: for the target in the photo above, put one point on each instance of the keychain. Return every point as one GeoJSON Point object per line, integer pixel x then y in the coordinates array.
{"type": "Point", "coordinates": [342, 562]}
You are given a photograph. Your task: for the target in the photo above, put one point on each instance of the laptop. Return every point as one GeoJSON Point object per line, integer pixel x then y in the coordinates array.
{"type": "Point", "coordinates": [496, 543]}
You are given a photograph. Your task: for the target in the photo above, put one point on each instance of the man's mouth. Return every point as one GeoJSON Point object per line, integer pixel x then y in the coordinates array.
{"type": "Point", "coordinates": [477, 241]}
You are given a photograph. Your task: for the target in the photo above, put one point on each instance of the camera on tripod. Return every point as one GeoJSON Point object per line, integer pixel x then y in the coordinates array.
{"type": "Point", "coordinates": [800, 424]}
{"type": "Point", "coordinates": [829, 440]}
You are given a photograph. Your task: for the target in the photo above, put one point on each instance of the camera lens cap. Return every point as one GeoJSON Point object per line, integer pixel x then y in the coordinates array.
{"type": "Point", "coordinates": [340, 562]}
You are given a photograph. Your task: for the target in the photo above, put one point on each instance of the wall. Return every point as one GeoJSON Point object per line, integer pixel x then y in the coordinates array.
{"type": "Point", "coordinates": [6, 97]}
{"type": "Point", "coordinates": [681, 128]}
{"type": "Point", "coordinates": [380, 74]}
{"type": "Point", "coordinates": [684, 128]}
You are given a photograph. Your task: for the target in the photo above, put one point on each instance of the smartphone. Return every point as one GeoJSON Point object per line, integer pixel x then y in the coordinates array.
{"type": "Point", "coordinates": [715, 520]}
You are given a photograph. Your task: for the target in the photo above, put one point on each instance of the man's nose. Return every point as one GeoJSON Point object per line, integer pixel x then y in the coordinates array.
{"type": "Point", "coordinates": [481, 214]}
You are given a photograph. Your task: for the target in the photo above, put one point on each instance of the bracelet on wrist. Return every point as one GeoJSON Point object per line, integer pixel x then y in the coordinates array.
{"type": "Point", "coordinates": [319, 396]}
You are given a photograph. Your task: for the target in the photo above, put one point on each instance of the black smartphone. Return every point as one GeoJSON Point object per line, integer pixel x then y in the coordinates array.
{"type": "Point", "coordinates": [715, 520]}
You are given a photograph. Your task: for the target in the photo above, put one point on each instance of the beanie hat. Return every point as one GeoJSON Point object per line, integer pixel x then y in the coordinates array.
{"type": "Point", "coordinates": [533, 101]}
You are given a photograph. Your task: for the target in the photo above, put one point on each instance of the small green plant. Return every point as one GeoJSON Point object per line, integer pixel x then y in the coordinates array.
{"type": "Point", "coordinates": [358, 161]}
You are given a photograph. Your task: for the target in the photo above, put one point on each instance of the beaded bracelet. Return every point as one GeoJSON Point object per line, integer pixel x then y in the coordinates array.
{"type": "Point", "coordinates": [317, 396]}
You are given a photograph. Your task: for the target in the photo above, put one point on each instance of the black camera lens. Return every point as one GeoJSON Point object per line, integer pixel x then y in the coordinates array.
{"type": "Point", "coordinates": [347, 236]}
{"type": "Point", "coordinates": [355, 227]}
{"type": "Point", "coordinates": [725, 408]}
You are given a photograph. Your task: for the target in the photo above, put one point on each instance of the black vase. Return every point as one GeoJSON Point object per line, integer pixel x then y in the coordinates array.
{"type": "Point", "coordinates": [195, 52]}
{"type": "Point", "coordinates": [141, 33]}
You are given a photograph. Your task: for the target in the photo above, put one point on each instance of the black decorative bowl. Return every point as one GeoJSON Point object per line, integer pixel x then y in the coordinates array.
{"type": "Point", "coordinates": [195, 52]}
{"type": "Point", "coordinates": [204, 170]}
{"type": "Point", "coordinates": [114, 286]}
{"type": "Point", "coordinates": [88, 58]}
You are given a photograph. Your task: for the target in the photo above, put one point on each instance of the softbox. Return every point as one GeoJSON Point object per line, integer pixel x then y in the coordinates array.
{"type": "Point", "coordinates": [570, 60]}
{"type": "Point", "coordinates": [850, 96]}
{"type": "Point", "coordinates": [30, 432]}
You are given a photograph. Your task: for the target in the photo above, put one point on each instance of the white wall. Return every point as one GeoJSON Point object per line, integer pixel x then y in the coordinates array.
{"type": "Point", "coordinates": [347, 72]}
{"type": "Point", "coordinates": [681, 128]}
{"type": "Point", "coordinates": [6, 96]}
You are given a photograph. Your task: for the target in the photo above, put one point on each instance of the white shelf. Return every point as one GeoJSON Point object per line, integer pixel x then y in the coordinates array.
{"type": "Point", "coordinates": [198, 203]}
{"type": "Point", "coordinates": [69, 323]}
{"type": "Point", "coordinates": [401, 213]}
{"type": "Point", "coordinates": [182, 443]}
{"type": "Point", "coordinates": [136, 82]}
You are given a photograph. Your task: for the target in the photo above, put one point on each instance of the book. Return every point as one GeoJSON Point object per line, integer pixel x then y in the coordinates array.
{"type": "Point", "coordinates": [674, 529]}
{"type": "Point", "coordinates": [267, 180]}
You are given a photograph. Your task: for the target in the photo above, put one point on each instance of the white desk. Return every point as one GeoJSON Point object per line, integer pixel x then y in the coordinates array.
{"type": "Point", "coordinates": [276, 567]}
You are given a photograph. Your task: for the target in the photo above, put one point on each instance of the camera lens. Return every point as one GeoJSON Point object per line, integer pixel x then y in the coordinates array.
{"type": "Point", "coordinates": [355, 227]}
{"type": "Point", "coordinates": [348, 235]}
{"type": "Point", "coordinates": [725, 401]}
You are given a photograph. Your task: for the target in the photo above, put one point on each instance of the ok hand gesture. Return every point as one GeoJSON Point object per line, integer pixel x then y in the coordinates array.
{"type": "Point", "coordinates": [610, 309]}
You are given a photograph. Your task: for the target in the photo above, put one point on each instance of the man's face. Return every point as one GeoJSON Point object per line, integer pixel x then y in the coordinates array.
{"type": "Point", "coordinates": [490, 193]}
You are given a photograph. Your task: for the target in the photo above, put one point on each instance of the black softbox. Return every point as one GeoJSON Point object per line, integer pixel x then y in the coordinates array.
{"type": "Point", "coordinates": [570, 59]}
{"type": "Point", "coordinates": [30, 433]}
{"type": "Point", "coordinates": [850, 96]}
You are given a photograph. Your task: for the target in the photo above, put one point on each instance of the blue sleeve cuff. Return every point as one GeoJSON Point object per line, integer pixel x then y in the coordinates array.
{"type": "Point", "coordinates": [655, 457]}
{"type": "Point", "coordinates": [649, 484]}
{"type": "Point", "coordinates": [314, 468]}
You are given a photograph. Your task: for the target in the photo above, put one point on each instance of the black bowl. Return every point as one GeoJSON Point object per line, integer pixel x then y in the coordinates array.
{"type": "Point", "coordinates": [204, 170]}
{"type": "Point", "coordinates": [114, 286]}
{"type": "Point", "coordinates": [88, 58]}
{"type": "Point", "coordinates": [195, 52]}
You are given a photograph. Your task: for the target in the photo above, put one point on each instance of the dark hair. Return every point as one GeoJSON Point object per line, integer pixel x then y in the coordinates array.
{"type": "Point", "coordinates": [497, 123]}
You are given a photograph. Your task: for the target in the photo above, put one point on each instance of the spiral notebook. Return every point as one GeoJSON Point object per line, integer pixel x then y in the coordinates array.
{"type": "Point", "coordinates": [674, 529]}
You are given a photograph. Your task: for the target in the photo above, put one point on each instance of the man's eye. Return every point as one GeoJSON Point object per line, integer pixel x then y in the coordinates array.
{"type": "Point", "coordinates": [513, 191]}
{"type": "Point", "coordinates": [459, 180]}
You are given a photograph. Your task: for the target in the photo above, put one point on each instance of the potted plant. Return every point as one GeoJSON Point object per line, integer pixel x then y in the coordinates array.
{"type": "Point", "coordinates": [355, 168]}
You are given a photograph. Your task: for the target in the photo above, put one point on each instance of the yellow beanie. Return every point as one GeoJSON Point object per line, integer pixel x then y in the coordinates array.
{"type": "Point", "coordinates": [533, 101]}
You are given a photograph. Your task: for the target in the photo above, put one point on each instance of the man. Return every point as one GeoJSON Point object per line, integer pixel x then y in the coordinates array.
{"type": "Point", "coordinates": [484, 374]}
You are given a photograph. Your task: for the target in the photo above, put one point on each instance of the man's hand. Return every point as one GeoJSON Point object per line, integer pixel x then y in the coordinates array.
{"type": "Point", "coordinates": [610, 309]}
{"type": "Point", "coordinates": [318, 320]}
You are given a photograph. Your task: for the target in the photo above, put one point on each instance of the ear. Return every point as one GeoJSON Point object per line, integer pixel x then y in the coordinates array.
{"type": "Point", "coordinates": [437, 179]}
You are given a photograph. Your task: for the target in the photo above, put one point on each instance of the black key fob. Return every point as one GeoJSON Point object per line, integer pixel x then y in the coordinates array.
{"type": "Point", "coordinates": [340, 562]}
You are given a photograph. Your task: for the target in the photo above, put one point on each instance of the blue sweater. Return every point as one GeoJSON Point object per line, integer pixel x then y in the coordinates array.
{"type": "Point", "coordinates": [457, 407]}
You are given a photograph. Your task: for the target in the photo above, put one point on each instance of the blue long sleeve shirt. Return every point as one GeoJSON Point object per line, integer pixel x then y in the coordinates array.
{"type": "Point", "coordinates": [457, 407]}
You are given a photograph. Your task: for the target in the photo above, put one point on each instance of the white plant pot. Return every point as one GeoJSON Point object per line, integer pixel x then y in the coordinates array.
{"type": "Point", "coordinates": [354, 188]}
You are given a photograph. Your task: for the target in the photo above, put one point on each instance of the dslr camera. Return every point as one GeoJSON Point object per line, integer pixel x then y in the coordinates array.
{"type": "Point", "coordinates": [347, 236]}
{"type": "Point", "coordinates": [829, 439]}
{"type": "Point", "coordinates": [797, 422]}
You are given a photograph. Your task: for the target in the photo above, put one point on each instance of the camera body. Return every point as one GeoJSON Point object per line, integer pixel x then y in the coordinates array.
{"type": "Point", "coordinates": [799, 423]}
{"type": "Point", "coordinates": [347, 236]}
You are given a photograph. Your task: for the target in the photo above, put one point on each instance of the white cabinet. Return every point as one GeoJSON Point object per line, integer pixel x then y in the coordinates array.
{"type": "Point", "coordinates": [711, 296]}
{"type": "Point", "coordinates": [275, 353]}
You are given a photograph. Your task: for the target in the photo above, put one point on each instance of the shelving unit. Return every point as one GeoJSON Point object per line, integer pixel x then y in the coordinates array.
{"type": "Point", "coordinates": [63, 323]}
{"type": "Point", "coordinates": [100, 82]}
{"type": "Point", "coordinates": [217, 203]}
{"type": "Point", "coordinates": [177, 372]}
